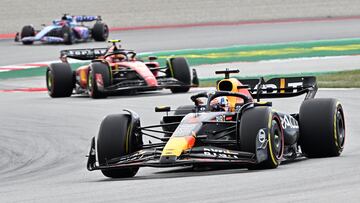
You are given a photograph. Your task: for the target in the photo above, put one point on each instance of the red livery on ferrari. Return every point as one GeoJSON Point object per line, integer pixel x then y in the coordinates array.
{"type": "Point", "coordinates": [113, 70]}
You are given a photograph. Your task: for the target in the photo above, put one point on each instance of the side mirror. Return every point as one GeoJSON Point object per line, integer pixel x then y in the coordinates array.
{"type": "Point", "coordinates": [162, 109]}
{"type": "Point", "coordinates": [152, 58]}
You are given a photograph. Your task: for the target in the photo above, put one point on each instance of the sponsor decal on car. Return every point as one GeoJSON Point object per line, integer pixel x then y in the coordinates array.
{"type": "Point", "coordinates": [219, 153]}
{"type": "Point", "coordinates": [288, 122]}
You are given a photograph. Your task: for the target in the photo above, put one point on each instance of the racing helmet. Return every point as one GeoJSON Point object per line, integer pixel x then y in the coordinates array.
{"type": "Point", "coordinates": [119, 57]}
{"type": "Point", "coordinates": [67, 17]}
{"type": "Point", "coordinates": [219, 104]}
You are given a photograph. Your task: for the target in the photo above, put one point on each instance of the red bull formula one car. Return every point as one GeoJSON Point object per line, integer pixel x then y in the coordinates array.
{"type": "Point", "coordinates": [237, 129]}
{"type": "Point", "coordinates": [115, 70]}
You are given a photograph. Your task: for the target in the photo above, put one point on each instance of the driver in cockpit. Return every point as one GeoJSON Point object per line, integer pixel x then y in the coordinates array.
{"type": "Point", "coordinates": [220, 104]}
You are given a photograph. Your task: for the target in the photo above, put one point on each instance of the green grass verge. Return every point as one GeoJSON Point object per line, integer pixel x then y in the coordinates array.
{"type": "Point", "coordinates": [337, 79]}
{"type": "Point", "coordinates": [342, 79]}
{"type": "Point", "coordinates": [320, 48]}
{"type": "Point", "coordinates": [237, 53]}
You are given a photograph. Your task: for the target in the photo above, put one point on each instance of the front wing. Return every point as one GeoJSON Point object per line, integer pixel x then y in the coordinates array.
{"type": "Point", "coordinates": [199, 156]}
{"type": "Point", "coordinates": [141, 85]}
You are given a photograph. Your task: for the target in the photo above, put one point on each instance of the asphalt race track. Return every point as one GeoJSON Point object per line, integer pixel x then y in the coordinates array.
{"type": "Point", "coordinates": [44, 141]}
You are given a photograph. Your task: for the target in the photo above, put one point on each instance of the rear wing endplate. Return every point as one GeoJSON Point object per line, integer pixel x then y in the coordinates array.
{"type": "Point", "coordinates": [85, 18]}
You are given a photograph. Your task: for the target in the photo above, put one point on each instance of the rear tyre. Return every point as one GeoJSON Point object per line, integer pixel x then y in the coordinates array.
{"type": "Point", "coordinates": [322, 128]}
{"type": "Point", "coordinates": [67, 35]}
{"type": "Point", "coordinates": [98, 79]}
{"type": "Point", "coordinates": [100, 32]}
{"type": "Point", "coordinates": [179, 69]}
{"type": "Point", "coordinates": [59, 80]}
{"type": "Point", "coordinates": [115, 140]}
{"type": "Point", "coordinates": [27, 31]}
{"type": "Point", "coordinates": [252, 121]}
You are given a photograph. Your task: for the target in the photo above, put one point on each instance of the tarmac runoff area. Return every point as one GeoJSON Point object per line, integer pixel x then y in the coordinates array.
{"type": "Point", "coordinates": [44, 142]}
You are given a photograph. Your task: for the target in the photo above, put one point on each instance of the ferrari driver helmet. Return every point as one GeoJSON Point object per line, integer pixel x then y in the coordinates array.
{"type": "Point", "coordinates": [119, 57]}
{"type": "Point", "coordinates": [219, 104]}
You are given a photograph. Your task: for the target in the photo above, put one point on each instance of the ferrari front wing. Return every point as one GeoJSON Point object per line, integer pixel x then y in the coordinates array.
{"type": "Point", "coordinates": [141, 85]}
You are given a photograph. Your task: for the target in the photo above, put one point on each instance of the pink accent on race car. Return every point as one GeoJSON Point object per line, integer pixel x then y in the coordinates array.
{"type": "Point", "coordinates": [155, 64]}
{"type": "Point", "coordinates": [142, 70]}
{"type": "Point", "coordinates": [99, 81]}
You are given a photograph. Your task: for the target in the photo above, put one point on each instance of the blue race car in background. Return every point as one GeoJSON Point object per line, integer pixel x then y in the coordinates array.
{"type": "Point", "coordinates": [67, 30]}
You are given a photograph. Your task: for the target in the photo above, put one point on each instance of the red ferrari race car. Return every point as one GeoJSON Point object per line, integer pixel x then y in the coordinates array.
{"type": "Point", "coordinates": [116, 70]}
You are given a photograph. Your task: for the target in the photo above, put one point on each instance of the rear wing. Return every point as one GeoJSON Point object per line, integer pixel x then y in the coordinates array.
{"type": "Point", "coordinates": [85, 18]}
{"type": "Point", "coordinates": [83, 54]}
{"type": "Point", "coordinates": [281, 87]}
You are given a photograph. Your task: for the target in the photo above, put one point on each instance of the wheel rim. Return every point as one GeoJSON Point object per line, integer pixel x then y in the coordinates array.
{"type": "Point", "coordinates": [340, 128]}
{"type": "Point", "coordinates": [277, 140]}
{"type": "Point", "coordinates": [106, 32]}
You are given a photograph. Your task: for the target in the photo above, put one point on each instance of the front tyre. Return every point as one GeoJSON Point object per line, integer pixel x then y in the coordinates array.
{"type": "Point", "coordinates": [116, 139]}
{"type": "Point", "coordinates": [59, 80]}
{"type": "Point", "coordinates": [27, 31]}
{"type": "Point", "coordinates": [261, 120]}
{"type": "Point", "coordinates": [179, 69]}
{"type": "Point", "coordinates": [98, 80]}
{"type": "Point", "coordinates": [322, 128]}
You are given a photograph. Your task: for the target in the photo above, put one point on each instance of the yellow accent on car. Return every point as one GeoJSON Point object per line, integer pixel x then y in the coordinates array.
{"type": "Point", "coordinates": [232, 100]}
{"type": "Point", "coordinates": [175, 146]}
{"type": "Point", "coordinates": [282, 85]}
{"type": "Point", "coordinates": [127, 139]}
{"type": "Point", "coordinates": [170, 67]}
{"type": "Point", "coordinates": [114, 40]}
{"type": "Point", "coordinates": [335, 137]}
{"type": "Point", "coordinates": [83, 76]}
{"type": "Point", "coordinates": [269, 138]}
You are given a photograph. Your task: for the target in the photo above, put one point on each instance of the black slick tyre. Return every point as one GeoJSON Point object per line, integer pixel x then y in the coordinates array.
{"type": "Point", "coordinates": [100, 32]}
{"type": "Point", "coordinates": [115, 140]}
{"type": "Point", "coordinates": [322, 128]}
{"type": "Point", "coordinates": [262, 120]}
{"type": "Point", "coordinates": [27, 31]}
{"type": "Point", "coordinates": [98, 71]}
{"type": "Point", "coordinates": [179, 69]}
{"type": "Point", "coordinates": [59, 80]}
